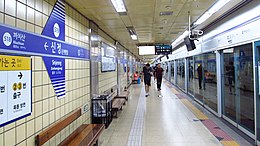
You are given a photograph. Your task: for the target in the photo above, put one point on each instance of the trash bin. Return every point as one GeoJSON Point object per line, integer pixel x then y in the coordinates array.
{"type": "Point", "coordinates": [139, 81]}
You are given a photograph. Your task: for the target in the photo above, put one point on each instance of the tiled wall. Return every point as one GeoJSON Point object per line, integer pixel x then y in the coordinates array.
{"type": "Point", "coordinates": [77, 28]}
{"type": "Point", "coordinates": [122, 77]}
{"type": "Point", "coordinates": [32, 15]}
{"type": "Point", "coordinates": [107, 80]}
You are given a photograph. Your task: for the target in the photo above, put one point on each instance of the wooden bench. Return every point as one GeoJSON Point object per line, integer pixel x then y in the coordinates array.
{"type": "Point", "coordinates": [86, 134]}
{"type": "Point", "coordinates": [123, 94]}
{"type": "Point", "coordinates": [117, 105]}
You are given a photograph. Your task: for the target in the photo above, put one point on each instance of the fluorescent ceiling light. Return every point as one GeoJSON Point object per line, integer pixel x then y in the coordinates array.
{"type": "Point", "coordinates": [134, 37]}
{"type": "Point", "coordinates": [119, 5]}
{"type": "Point", "coordinates": [217, 6]}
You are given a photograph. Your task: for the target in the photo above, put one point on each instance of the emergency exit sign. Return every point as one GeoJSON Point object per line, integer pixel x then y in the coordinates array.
{"type": "Point", "coordinates": [15, 88]}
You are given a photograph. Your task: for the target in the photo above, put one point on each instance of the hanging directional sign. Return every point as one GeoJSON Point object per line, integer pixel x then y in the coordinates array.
{"type": "Point", "coordinates": [15, 88]}
{"type": "Point", "coordinates": [55, 28]}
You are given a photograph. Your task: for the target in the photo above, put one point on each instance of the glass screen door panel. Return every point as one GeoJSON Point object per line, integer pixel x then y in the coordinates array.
{"type": "Point", "coordinates": [238, 90]}
{"type": "Point", "coordinates": [181, 74]}
{"type": "Point", "coordinates": [205, 87]}
{"type": "Point", "coordinates": [210, 81]}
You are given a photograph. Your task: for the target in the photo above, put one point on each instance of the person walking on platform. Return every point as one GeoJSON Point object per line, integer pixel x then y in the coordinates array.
{"type": "Point", "coordinates": [154, 70]}
{"type": "Point", "coordinates": [148, 72]}
{"type": "Point", "coordinates": [158, 75]}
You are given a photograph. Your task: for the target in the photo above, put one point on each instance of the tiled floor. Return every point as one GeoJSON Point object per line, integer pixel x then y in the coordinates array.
{"type": "Point", "coordinates": [157, 121]}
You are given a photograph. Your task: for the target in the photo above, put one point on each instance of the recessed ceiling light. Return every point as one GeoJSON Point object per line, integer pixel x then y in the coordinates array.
{"type": "Point", "coordinates": [119, 5]}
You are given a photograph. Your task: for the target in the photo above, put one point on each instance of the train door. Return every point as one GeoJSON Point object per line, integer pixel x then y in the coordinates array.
{"type": "Point", "coordinates": [238, 87]}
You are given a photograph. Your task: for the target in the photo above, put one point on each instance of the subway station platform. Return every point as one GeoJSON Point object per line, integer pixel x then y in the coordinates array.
{"type": "Point", "coordinates": [171, 119]}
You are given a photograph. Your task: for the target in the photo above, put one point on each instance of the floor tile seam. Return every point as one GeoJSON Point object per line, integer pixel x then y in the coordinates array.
{"type": "Point", "coordinates": [187, 101]}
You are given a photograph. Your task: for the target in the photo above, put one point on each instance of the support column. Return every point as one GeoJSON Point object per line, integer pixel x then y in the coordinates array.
{"type": "Point", "coordinates": [186, 70]}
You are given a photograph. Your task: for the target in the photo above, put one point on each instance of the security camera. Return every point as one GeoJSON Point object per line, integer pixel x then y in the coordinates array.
{"type": "Point", "coordinates": [197, 32]}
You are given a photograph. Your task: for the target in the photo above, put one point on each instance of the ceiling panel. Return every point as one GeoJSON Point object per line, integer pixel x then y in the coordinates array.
{"type": "Point", "coordinates": [144, 16]}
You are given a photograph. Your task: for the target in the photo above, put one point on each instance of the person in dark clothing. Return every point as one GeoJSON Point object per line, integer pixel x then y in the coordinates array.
{"type": "Point", "coordinates": [154, 70]}
{"type": "Point", "coordinates": [148, 72]}
{"type": "Point", "coordinates": [190, 72]}
{"type": "Point", "coordinates": [199, 70]}
{"type": "Point", "coordinates": [230, 73]}
{"type": "Point", "coordinates": [158, 76]}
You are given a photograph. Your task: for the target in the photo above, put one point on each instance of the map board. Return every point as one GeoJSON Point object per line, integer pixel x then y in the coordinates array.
{"type": "Point", "coordinates": [15, 88]}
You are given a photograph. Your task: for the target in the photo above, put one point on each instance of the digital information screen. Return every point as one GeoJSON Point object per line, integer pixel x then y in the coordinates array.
{"type": "Point", "coordinates": [163, 49]}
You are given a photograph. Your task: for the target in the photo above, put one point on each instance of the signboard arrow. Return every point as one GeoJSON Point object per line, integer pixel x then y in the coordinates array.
{"type": "Point", "coordinates": [20, 75]}
{"type": "Point", "coordinates": [46, 46]}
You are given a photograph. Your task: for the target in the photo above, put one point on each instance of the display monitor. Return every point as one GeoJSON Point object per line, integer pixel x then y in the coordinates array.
{"type": "Point", "coordinates": [146, 50]}
{"type": "Point", "coordinates": [163, 49]}
{"type": "Point", "coordinates": [189, 44]}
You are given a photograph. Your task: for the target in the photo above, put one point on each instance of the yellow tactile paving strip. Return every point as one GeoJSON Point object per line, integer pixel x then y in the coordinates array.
{"type": "Point", "coordinates": [175, 91]}
{"type": "Point", "coordinates": [195, 111]}
{"type": "Point", "coordinates": [229, 143]}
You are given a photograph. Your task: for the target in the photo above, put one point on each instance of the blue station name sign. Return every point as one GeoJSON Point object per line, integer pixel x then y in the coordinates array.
{"type": "Point", "coordinates": [22, 42]}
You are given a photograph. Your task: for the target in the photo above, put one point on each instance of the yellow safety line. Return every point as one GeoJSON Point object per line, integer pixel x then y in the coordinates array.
{"type": "Point", "coordinates": [193, 109]}
{"type": "Point", "coordinates": [175, 91]}
{"type": "Point", "coordinates": [229, 143]}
